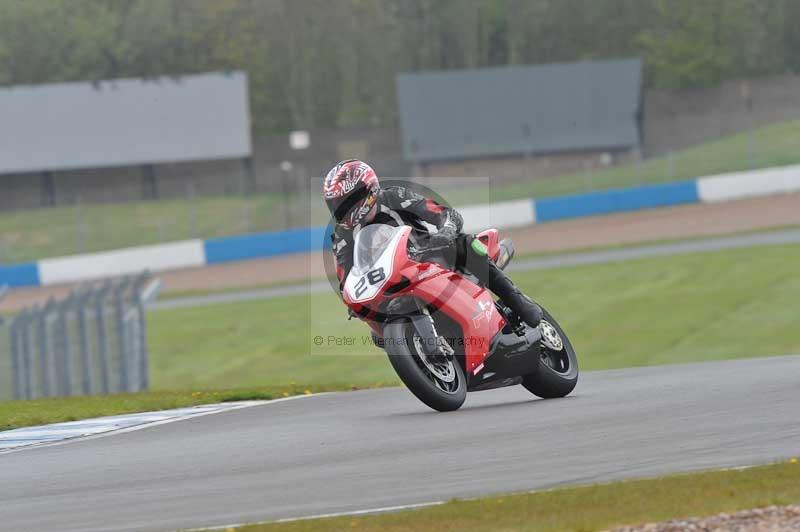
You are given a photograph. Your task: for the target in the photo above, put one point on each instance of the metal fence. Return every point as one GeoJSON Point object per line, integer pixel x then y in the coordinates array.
{"type": "Point", "coordinates": [92, 342]}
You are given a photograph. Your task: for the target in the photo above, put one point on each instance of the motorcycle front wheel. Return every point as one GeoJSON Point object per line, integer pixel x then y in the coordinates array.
{"type": "Point", "coordinates": [437, 381]}
{"type": "Point", "coordinates": [558, 365]}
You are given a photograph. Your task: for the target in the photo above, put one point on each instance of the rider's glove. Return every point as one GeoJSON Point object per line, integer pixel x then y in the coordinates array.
{"type": "Point", "coordinates": [443, 239]}
{"type": "Point", "coordinates": [448, 232]}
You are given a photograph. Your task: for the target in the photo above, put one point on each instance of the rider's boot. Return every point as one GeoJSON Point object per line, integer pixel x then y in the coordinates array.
{"type": "Point", "coordinates": [512, 297]}
{"type": "Point", "coordinates": [487, 272]}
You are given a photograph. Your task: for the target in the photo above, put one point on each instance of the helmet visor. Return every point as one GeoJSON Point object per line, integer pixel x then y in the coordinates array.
{"type": "Point", "coordinates": [343, 208]}
{"type": "Point", "coordinates": [362, 212]}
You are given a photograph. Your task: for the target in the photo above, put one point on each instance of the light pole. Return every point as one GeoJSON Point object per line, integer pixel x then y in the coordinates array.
{"type": "Point", "coordinates": [299, 140]}
{"type": "Point", "coordinates": [286, 170]}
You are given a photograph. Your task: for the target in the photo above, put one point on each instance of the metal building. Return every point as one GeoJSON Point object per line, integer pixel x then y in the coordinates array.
{"type": "Point", "coordinates": [569, 112]}
{"type": "Point", "coordinates": [61, 142]}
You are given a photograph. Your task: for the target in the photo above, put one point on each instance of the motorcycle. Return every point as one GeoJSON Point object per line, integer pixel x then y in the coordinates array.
{"type": "Point", "coordinates": [444, 334]}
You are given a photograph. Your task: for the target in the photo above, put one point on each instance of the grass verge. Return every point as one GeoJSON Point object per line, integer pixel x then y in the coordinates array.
{"type": "Point", "coordinates": [34, 234]}
{"type": "Point", "coordinates": [649, 311]}
{"type": "Point", "coordinates": [593, 507]}
{"type": "Point", "coordinates": [15, 414]}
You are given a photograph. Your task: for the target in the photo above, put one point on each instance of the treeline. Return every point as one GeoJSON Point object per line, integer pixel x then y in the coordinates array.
{"type": "Point", "coordinates": [316, 63]}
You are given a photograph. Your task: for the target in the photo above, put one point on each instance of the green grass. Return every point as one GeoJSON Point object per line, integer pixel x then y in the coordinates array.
{"type": "Point", "coordinates": [14, 414]}
{"type": "Point", "coordinates": [640, 312]}
{"type": "Point", "coordinates": [265, 342]}
{"type": "Point", "coordinates": [774, 145]}
{"type": "Point", "coordinates": [34, 234]}
{"type": "Point", "coordinates": [584, 508]}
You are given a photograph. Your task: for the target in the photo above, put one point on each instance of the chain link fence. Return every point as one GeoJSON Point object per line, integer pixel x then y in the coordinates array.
{"type": "Point", "coordinates": [92, 342]}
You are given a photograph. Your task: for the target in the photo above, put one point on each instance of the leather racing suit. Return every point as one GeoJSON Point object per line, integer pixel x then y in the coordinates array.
{"type": "Point", "coordinates": [436, 231]}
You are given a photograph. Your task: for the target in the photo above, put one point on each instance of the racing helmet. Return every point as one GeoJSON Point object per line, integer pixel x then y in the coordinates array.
{"type": "Point", "coordinates": [351, 193]}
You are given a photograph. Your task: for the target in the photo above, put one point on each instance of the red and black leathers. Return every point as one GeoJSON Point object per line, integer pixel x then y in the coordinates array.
{"type": "Point", "coordinates": [436, 230]}
{"type": "Point", "coordinates": [434, 226]}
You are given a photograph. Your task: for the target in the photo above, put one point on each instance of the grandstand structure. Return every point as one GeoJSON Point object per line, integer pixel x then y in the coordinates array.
{"type": "Point", "coordinates": [111, 140]}
{"type": "Point", "coordinates": [533, 121]}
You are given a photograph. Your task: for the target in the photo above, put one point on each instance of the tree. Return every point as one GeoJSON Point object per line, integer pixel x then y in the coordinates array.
{"type": "Point", "coordinates": [333, 63]}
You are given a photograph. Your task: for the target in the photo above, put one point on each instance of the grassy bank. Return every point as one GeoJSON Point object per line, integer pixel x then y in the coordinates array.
{"type": "Point", "coordinates": [773, 145]}
{"type": "Point", "coordinates": [640, 312]}
{"type": "Point", "coordinates": [595, 507]}
{"type": "Point", "coordinates": [34, 234]}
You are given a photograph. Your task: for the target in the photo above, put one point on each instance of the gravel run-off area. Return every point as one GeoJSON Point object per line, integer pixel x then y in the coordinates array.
{"type": "Point", "coordinates": [770, 519]}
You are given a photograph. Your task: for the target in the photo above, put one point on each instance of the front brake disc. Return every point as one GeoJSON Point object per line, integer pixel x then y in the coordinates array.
{"type": "Point", "coordinates": [550, 337]}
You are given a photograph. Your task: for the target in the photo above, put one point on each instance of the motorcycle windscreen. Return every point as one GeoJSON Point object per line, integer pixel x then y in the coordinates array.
{"type": "Point", "coordinates": [370, 243]}
{"type": "Point", "coordinates": [372, 261]}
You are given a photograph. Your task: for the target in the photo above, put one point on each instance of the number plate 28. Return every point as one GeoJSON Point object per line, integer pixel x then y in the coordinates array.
{"type": "Point", "coordinates": [363, 286]}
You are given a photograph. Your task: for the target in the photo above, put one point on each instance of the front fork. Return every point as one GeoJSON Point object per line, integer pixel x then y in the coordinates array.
{"type": "Point", "coordinates": [432, 342]}
{"type": "Point", "coordinates": [422, 320]}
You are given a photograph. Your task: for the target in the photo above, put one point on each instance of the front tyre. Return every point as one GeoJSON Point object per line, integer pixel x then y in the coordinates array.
{"type": "Point", "coordinates": [558, 365]}
{"type": "Point", "coordinates": [438, 382]}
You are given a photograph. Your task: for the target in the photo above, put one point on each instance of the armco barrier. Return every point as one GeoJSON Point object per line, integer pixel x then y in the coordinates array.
{"type": "Point", "coordinates": [126, 261]}
{"type": "Point", "coordinates": [617, 200]}
{"type": "Point", "coordinates": [92, 342]}
{"type": "Point", "coordinates": [16, 275]}
{"type": "Point", "coordinates": [502, 215]}
{"type": "Point", "coordinates": [764, 182]}
{"type": "Point", "coordinates": [243, 247]}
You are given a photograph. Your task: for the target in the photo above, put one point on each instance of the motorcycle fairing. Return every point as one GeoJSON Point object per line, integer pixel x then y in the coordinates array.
{"type": "Point", "coordinates": [470, 306]}
{"type": "Point", "coordinates": [452, 294]}
{"type": "Point", "coordinates": [361, 286]}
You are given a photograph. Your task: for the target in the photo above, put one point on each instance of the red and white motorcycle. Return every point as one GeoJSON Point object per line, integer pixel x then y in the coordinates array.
{"type": "Point", "coordinates": [446, 335]}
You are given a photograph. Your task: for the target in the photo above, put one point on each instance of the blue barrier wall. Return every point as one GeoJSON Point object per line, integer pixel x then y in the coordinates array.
{"type": "Point", "coordinates": [15, 275]}
{"type": "Point", "coordinates": [242, 247]}
{"type": "Point", "coordinates": [617, 200]}
{"type": "Point", "coordinates": [305, 239]}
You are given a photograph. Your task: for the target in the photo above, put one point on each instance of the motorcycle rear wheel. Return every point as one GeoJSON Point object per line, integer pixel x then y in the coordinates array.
{"type": "Point", "coordinates": [558, 370]}
{"type": "Point", "coordinates": [421, 379]}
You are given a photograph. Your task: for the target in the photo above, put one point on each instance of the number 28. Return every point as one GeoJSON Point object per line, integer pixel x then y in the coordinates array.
{"type": "Point", "coordinates": [373, 277]}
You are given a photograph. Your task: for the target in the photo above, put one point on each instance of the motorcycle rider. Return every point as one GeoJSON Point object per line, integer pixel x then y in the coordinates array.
{"type": "Point", "coordinates": [355, 199]}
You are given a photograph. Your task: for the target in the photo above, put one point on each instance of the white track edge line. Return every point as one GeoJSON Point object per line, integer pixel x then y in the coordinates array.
{"type": "Point", "coordinates": [385, 509]}
{"type": "Point", "coordinates": [150, 424]}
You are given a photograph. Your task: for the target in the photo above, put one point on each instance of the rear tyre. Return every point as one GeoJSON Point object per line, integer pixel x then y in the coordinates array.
{"type": "Point", "coordinates": [436, 381]}
{"type": "Point", "coordinates": [558, 368]}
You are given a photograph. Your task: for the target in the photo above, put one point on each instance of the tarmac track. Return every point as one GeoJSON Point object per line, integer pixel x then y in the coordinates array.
{"type": "Point", "coordinates": [372, 449]}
